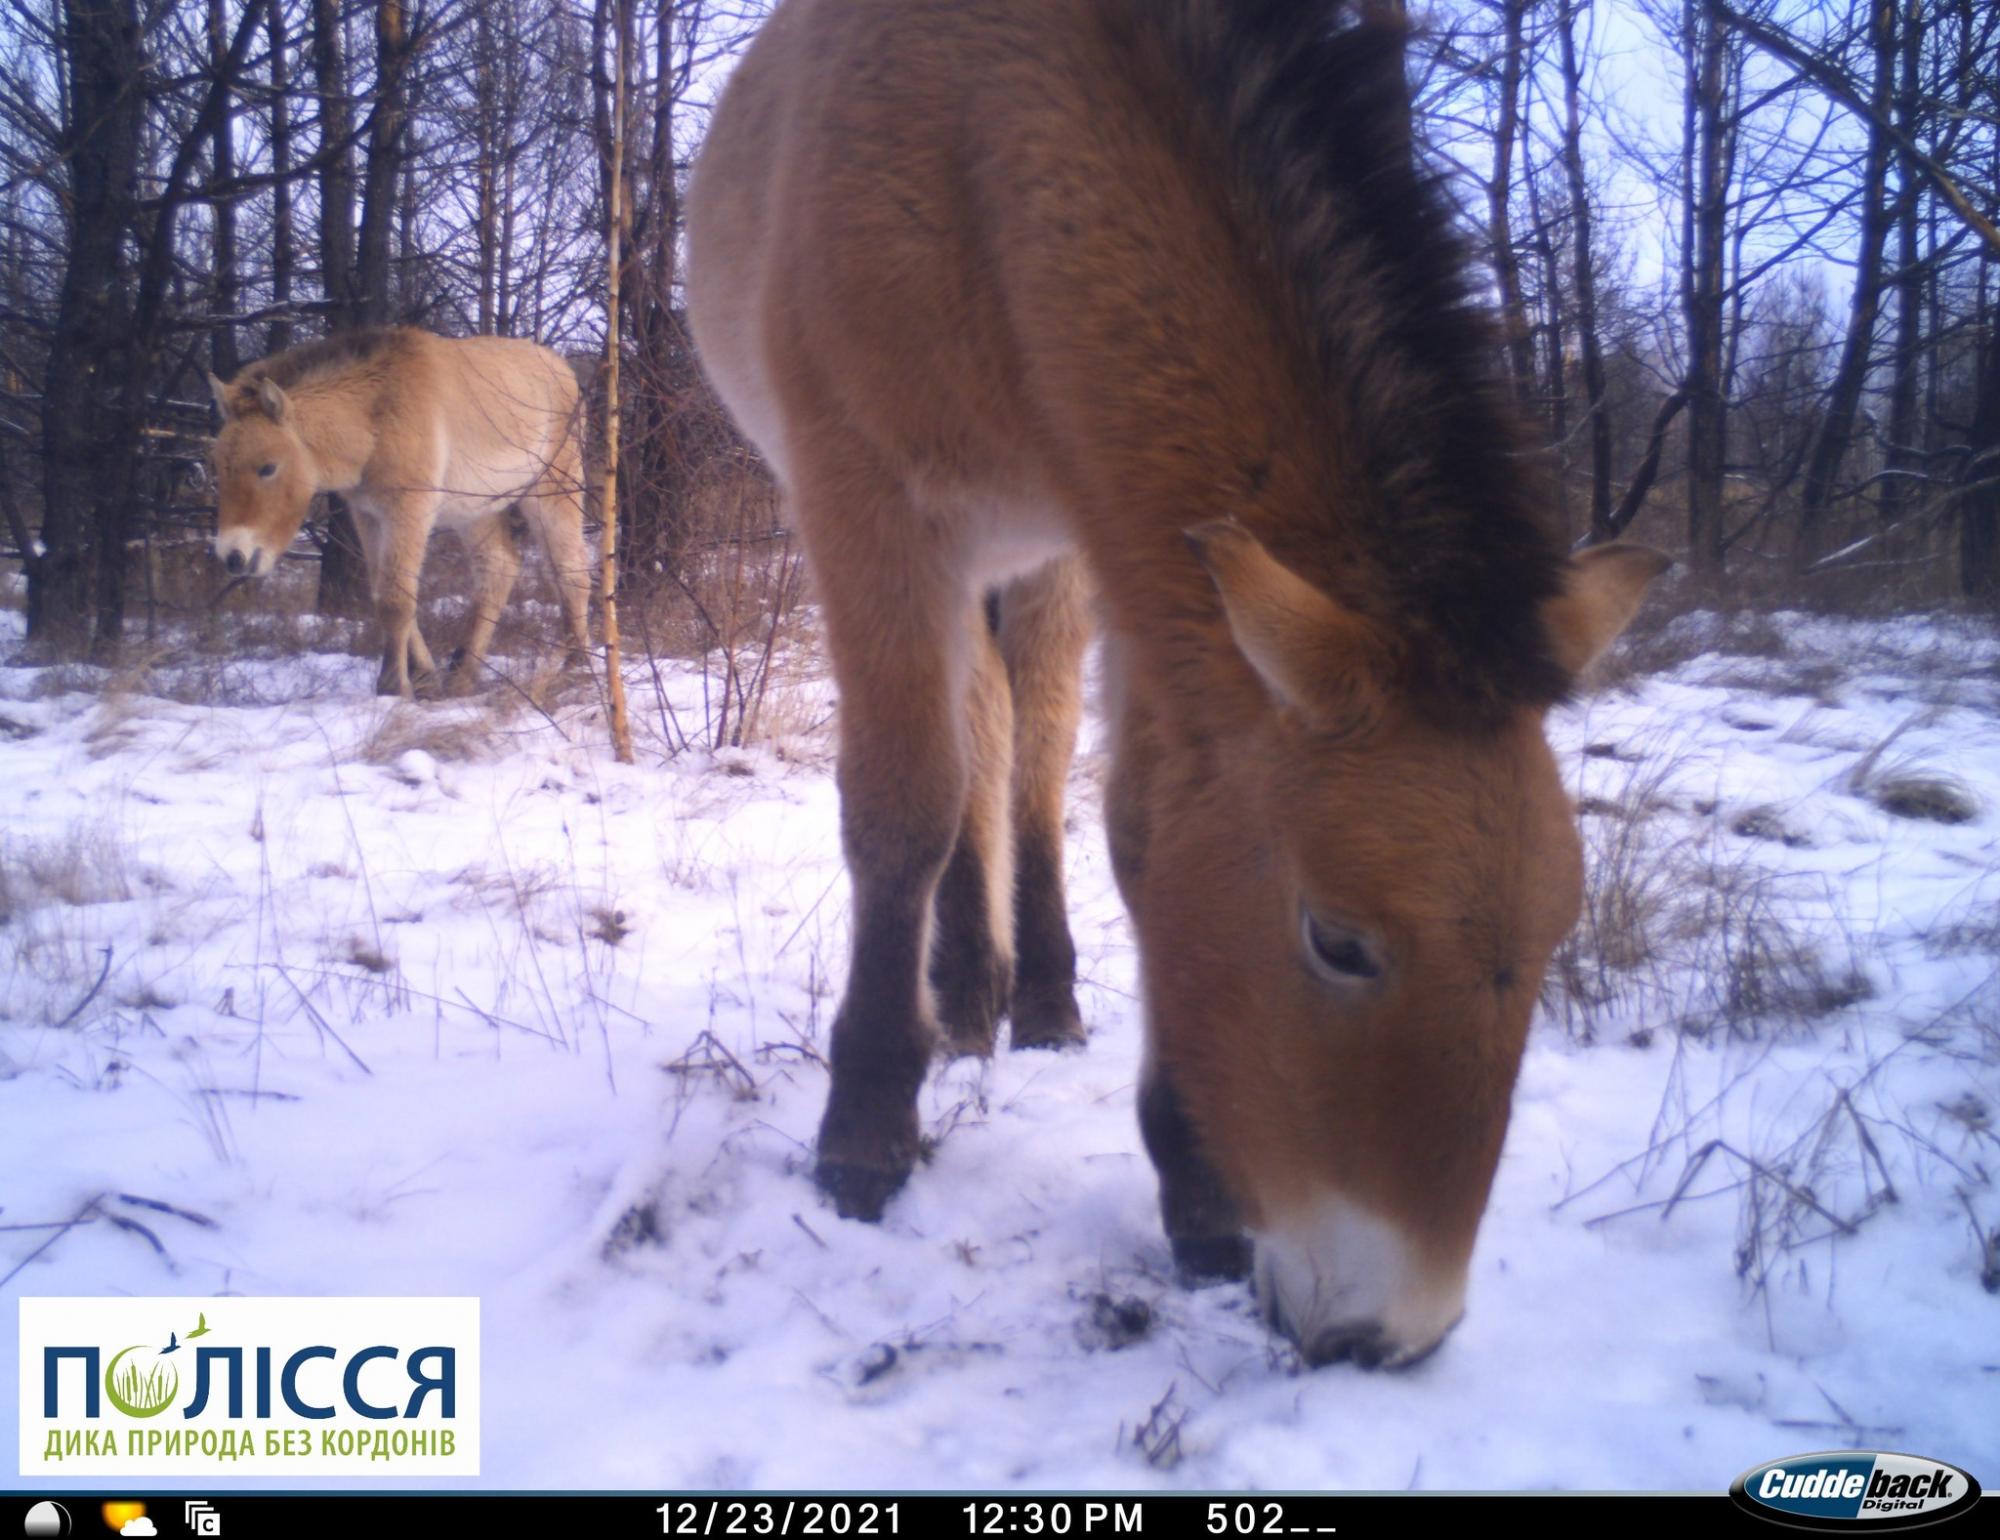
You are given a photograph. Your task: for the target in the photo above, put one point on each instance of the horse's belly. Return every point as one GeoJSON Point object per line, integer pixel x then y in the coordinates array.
{"type": "Point", "coordinates": [474, 488]}
{"type": "Point", "coordinates": [1009, 540]}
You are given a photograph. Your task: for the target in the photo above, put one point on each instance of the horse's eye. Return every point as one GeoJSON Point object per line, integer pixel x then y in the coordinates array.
{"type": "Point", "coordinates": [1339, 954]}
{"type": "Point", "coordinates": [267, 471]}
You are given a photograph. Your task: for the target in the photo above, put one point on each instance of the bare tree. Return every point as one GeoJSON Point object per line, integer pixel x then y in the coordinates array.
{"type": "Point", "coordinates": [1836, 426]}
{"type": "Point", "coordinates": [1583, 269]}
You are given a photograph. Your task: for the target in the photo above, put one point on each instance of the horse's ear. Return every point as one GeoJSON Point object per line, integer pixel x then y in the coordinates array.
{"type": "Point", "coordinates": [1601, 594]}
{"type": "Point", "coordinates": [1312, 654]}
{"type": "Point", "coordinates": [271, 399]}
{"type": "Point", "coordinates": [221, 393]}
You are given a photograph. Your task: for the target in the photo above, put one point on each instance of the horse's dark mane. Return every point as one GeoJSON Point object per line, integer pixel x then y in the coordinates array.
{"type": "Point", "coordinates": [1311, 103]}
{"type": "Point", "coordinates": [324, 355]}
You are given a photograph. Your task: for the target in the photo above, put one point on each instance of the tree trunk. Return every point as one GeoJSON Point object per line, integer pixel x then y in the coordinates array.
{"type": "Point", "coordinates": [385, 155]}
{"type": "Point", "coordinates": [1904, 451]}
{"type": "Point", "coordinates": [1555, 323]}
{"type": "Point", "coordinates": [1702, 284]}
{"type": "Point", "coordinates": [1979, 512]}
{"type": "Point", "coordinates": [621, 724]}
{"type": "Point", "coordinates": [355, 263]}
{"type": "Point", "coordinates": [1499, 225]}
{"type": "Point", "coordinates": [486, 155]}
{"type": "Point", "coordinates": [280, 335]}
{"type": "Point", "coordinates": [336, 177]}
{"type": "Point", "coordinates": [223, 356]}
{"type": "Point", "coordinates": [87, 401]}
{"type": "Point", "coordinates": [1586, 279]}
{"type": "Point", "coordinates": [1836, 428]}
{"type": "Point", "coordinates": [659, 463]}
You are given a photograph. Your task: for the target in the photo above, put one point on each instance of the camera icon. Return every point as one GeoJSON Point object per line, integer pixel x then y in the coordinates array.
{"type": "Point", "coordinates": [202, 1519]}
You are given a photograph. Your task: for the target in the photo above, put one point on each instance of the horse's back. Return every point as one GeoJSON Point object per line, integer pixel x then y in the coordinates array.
{"type": "Point", "coordinates": [507, 386]}
{"type": "Point", "coordinates": [843, 264]}
{"type": "Point", "coordinates": [496, 414]}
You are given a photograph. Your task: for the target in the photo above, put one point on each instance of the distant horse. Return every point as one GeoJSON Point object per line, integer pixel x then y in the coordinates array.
{"type": "Point", "coordinates": [998, 284]}
{"type": "Point", "coordinates": [414, 431]}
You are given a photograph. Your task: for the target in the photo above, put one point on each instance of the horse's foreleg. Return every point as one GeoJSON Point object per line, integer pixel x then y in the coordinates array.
{"type": "Point", "coordinates": [896, 629]}
{"type": "Point", "coordinates": [423, 666]}
{"type": "Point", "coordinates": [1044, 627]}
{"type": "Point", "coordinates": [496, 563]}
{"type": "Point", "coordinates": [1202, 1221]}
{"type": "Point", "coordinates": [972, 953]}
{"type": "Point", "coordinates": [398, 536]}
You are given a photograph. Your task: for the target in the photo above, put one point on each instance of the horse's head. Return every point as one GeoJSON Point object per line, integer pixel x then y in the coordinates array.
{"type": "Point", "coordinates": [1345, 945]}
{"type": "Point", "coordinates": [264, 475]}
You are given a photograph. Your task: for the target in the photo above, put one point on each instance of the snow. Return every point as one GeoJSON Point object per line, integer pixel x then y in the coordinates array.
{"type": "Point", "coordinates": [440, 1000]}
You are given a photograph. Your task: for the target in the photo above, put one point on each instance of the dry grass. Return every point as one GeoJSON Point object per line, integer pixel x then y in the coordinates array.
{"type": "Point", "coordinates": [54, 961]}
{"type": "Point", "coordinates": [1804, 1189]}
{"type": "Point", "coordinates": [1618, 943]}
{"type": "Point", "coordinates": [1903, 787]}
{"type": "Point", "coordinates": [1755, 965]}
{"type": "Point", "coordinates": [1695, 935]}
{"type": "Point", "coordinates": [457, 731]}
{"type": "Point", "coordinates": [85, 864]}
{"type": "Point", "coordinates": [1925, 797]}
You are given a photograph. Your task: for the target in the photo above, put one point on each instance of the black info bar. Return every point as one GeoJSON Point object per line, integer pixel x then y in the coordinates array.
{"type": "Point", "coordinates": [373, 1515]}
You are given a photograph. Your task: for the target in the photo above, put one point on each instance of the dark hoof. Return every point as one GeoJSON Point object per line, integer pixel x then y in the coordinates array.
{"type": "Point", "coordinates": [971, 1040]}
{"type": "Point", "coordinates": [1049, 1024]}
{"type": "Point", "coordinates": [858, 1192]}
{"type": "Point", "coordinates": [1205, 1259]}
{"type": "Point", "coordinates": [970, 1003]}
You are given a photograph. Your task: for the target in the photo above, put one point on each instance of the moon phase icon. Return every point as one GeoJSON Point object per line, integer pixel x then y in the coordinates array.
{"type": "Point", "coordinates": [45, 1521]}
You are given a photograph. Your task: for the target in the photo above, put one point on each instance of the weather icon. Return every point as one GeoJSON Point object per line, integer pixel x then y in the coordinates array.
{"type": "Point", "coordinates": [121, 1516]}
{"type": "Point", "coordinates": [45, 1520]}
{"type": "Point", "coordinates": [141, 1526]}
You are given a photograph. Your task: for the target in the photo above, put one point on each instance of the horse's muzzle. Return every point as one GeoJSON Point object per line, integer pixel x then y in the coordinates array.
{"type": "Point", "coordinates": [1347, 1288]}
{"type": "Point", "coordinates": [239, 552]}
{"type": "Point", "coordinates": [1362, 1343]}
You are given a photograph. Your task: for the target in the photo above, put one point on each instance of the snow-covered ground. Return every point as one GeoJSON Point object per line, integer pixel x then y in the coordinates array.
{"type": "Point", "coordinates": [440, 1000]}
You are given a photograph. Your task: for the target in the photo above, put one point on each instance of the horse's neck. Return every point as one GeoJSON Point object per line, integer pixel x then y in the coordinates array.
{"type": "Point", "coordinates": [337, 426]}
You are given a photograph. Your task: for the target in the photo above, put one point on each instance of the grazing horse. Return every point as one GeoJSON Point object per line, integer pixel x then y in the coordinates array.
{"type": "Point", "coordinates": [1002, 286]}
{"type": "Point", "coordinates": [414, 431]}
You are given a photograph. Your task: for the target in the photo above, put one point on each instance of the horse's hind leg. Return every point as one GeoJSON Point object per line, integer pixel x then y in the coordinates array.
{"type": "Point", "coordinates": [972, 953]}
{"type": "Point", "coordinates": [496, 564]}
{"type": "Point", "coordinates": [1044, 627]}
{"type": "Point", "coordinates": [895, 620]}
{"type": "Point", "coordinates": [555, 511]}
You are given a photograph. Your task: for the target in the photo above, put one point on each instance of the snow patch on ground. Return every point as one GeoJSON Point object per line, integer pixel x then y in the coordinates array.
{"type": "Point", "coordinates": [439, 999]}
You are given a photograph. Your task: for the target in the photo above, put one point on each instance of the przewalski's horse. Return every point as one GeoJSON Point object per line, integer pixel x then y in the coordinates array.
{"type": "Point", "coordinates": [414, 431]}
{"type": "Point", "coordinates": [1156, 282]}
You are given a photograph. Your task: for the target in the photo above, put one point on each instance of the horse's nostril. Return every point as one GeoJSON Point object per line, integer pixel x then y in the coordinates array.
{"type": "Point", "coordinates": [1369, 1352]}
{"type": "Point", "coordinates": [1361, 1341]}
{"type": "Point", "coordinates": [234, 561]}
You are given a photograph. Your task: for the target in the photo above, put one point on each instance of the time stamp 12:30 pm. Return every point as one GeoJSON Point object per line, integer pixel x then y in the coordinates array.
{"type": "Point", "coordinates": [1027, 1516]}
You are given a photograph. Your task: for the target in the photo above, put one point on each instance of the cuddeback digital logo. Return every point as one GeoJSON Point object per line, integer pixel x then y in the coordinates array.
{"type": "Point", "coordinates": [1855, 1487]}
{"type": "Point", "coordinates": [249, 1386]}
